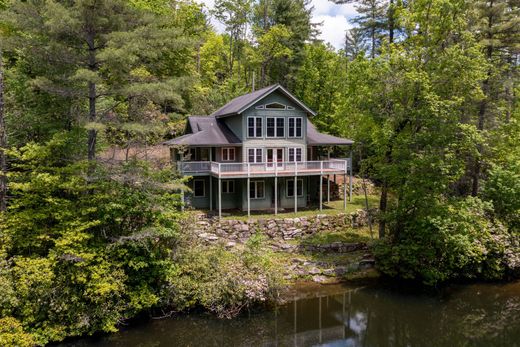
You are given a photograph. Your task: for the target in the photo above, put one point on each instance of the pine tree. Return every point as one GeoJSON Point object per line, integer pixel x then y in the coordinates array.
{"type": "Point", "coordinates": [498, 29]}
{"type": "Point", "coordinates": [93, 53]}
{"type": "Point", "coordinates": [372, 22]}
{"type": "Point", "coordinates": [354, 43]}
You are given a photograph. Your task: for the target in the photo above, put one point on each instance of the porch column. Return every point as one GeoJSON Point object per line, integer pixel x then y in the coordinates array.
{"type": "Point", "coordinates": [210, 182]}
{"type": "Point", "coordinates": [345, 191]}
{"type": "Point", "coordinates": [321, 192]}
{"type": "Point", "coordinates": [350, 178]}
{"type": "Point", "coordinates": [295, 194]}
{"type": "Point", "coordinates": [219, 198]}
{"type": "Point", "coordinates": [275, 195]}
{"type": "Point", "coordinates": [248, 192]}
{"type": "Point", "coordinates": [328, 189]}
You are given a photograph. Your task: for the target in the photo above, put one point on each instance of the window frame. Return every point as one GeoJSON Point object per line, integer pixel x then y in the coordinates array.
{"type": "Point", "coordinates": [228, 149]}
{"type": "Point", "coordinates": [255, 183]}
{"type": "Point", "coordinates": [256, 127]}
{"type": "Point", "coordinates": [275, 127]}
{"type": "Point", "coordinates": [226, 185]}
{"type": "Point", "coordinates": [295, 128]}
{"type": "Point", "coordinates": [255, 154]}
{"type": "Point", "coordinates": [290, 183]}
{"type": "Point", "coordinates": [203, 188]}
{"type": "Point", "coordinates": [295, 154]}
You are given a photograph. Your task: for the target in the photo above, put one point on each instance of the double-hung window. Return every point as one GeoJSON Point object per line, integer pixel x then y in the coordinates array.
{"type": "Point", "coordinates": [256, 189]}
{"type": "Point", "coordinates": [275, 127]}
{"type": "Point", "coordinates": [199, 188]}
{"type": "Point", "coordinates": [254, 126]}
{"type": "Point", "coordinates": [228, 154]}
{"type": "Point", "coordinates": [228, 186]}
{"type": "Point", "coordinates": [295, 154]}
{"type": "Point", "coordinates": [295, 127]}
{"type": "Point", "coordinates": [254, 155]}
{"type": "Point", "coordinates": [290, 187]}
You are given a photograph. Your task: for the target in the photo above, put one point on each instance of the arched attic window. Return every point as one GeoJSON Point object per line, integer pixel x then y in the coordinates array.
{"type": "Point", "coordinates": [275, 106]}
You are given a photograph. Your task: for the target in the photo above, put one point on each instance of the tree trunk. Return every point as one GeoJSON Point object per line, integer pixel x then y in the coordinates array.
{"type": "Point", "coordinates": [92, 97]}
{"type": "Point", "coordinates": [3, 144]}
{"type": "Point", "coordinates": [391, 22]}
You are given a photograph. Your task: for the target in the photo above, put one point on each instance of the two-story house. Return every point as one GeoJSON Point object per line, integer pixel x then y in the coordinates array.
{"type": "Point", "coordinates": [259, 151]}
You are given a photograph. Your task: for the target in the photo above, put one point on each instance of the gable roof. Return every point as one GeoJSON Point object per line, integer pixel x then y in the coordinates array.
{"type": "Point", "coordinates": [314, 137]}
{"type": "Point", "coordinates": [206, 131]}
{"type": "Point", "coordinates": [243, 102]}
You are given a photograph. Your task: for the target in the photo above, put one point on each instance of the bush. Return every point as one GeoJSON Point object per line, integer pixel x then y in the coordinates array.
{"type": "Point", "coordinates": [223, 281]}
{"type": "Point", "coordinates": [455, 240]}
{"type": "Point", "coordinates": [12, 334]}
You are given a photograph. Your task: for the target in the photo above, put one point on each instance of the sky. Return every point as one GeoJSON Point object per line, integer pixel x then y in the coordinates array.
{"type": "Point", "coordinates": [334, 18]}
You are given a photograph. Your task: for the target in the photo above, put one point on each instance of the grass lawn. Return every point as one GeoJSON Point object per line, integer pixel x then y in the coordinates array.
{"type": "Point", "coordinates": [334, 207]}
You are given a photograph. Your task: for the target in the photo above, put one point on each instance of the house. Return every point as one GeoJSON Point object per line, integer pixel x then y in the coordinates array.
{"type": "Point", "coordinates": [260, 151]}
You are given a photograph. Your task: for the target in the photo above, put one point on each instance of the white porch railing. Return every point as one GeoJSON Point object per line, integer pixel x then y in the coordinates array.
{"type": "Point", "coordinates": [264, 169]}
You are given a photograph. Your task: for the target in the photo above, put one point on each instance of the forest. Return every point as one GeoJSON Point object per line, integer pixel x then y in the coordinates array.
{"type": "Point", "coordinates": [428, 89]}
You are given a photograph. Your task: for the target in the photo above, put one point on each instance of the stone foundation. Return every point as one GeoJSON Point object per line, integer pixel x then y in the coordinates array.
{"type": "Point", "coordinates": [212, 229]}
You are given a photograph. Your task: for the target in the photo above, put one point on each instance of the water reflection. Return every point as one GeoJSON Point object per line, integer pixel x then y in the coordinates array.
{"type": "Point", "coordinates": [478, 315]}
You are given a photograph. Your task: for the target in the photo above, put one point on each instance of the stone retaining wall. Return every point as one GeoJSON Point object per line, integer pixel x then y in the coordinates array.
{"type": "Point", "coordinates": [211, 230]}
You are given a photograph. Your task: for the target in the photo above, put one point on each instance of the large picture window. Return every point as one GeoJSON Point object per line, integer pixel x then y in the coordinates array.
{"type": "Point", "coordinates": [254, 155]}
{"type": "Point", "coordinates": [254, 126]}
{"type": "Point", "coordinates": [257, 189]}
{"type": "Point", "coordinates": [228, 154]}
{"type": "Point", "coordinates": [295, 154]}
{"type": "Point", "coordinates": [295, 126]}
{"type": "Point", "coordinates": [199, 188]}
{"type": "Point", "coordinates": [290, 187]}
{"type": "Point", "coordinates": [275, 127]}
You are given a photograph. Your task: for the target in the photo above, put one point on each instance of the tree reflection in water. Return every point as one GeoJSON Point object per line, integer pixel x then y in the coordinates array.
{"type": "Point", "coordinates": [474, 315]}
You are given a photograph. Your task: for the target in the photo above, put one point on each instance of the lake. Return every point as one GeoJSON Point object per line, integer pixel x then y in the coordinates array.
{"type": "Point", "coordinates": [341, 315]}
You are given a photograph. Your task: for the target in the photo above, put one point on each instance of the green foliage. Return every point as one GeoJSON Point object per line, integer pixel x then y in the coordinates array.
{"type": "Point", "coordinates": [502, 188]}
{"type": "Point", "coordinates": [224, 281]}
{"type": "Point", "coordinates": [83, 247]}
{"type": "Point", "coordinates": [12, 333]}
{"type": "Point", "coordinates": [453, 240]}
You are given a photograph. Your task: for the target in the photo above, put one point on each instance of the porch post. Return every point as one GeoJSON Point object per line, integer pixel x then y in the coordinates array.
{"type": "Point", "coordinates": [328, 189]}
{"type": "Point", "coordinates": [248, 192]}
{"type": "Point", "coordinates": [350, 178]}
{"type": "Point", "coordinates": [295, 186]}
{"type": "Point", "coordinates": [345, 191]}
{"type": "Point", "coordinates": [275, 195]}
{"type": "Point", "coordinates": [321, 185]}
{"type": "Point", "coordinates": [219, 198]}
{"type": "Point", "coordinates": [210, 181]}
{"type": "Point", "coordinates": [321, 192]}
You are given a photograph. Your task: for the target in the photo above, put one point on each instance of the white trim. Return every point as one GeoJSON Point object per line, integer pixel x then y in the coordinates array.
{"type": "Point", "coordinates": [255, 183]}
{"type": "Point", "coordinates": [295, 154]}
{"type": "Point", "coordinates": [290, 182]}
{"type": "Point", "coordinates": [255, 149]}
{"type": "Point", "coordinates": [255, 118]}
{"type": "Point", "coordinates": [275, 127]}
{"type": "Point", "coordinates": [275, 108]}
{"type": "Point", "coordinates": [228, 150]}
{"type": "Point", "coordinates": [295, 128]}
{"type": "Point", "coordinates": [287, 94]}
{"type": "Point", "coordinates": [203, 188]}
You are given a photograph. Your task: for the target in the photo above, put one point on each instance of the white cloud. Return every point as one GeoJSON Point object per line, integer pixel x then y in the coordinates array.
{"type": "Point", "coordinates": [334, 17]}
{"type": "Point", "coordinates": [333, 29]}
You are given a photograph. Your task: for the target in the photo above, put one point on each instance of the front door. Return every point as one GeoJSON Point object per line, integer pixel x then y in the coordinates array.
{"type": "Point", "coordinates": [274, 157]}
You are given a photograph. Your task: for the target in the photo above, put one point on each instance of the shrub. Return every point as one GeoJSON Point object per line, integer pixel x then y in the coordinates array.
{"type": "Point", "coordinates": [455, 240]}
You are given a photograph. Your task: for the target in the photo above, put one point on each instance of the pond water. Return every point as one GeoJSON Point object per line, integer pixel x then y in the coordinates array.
{"type": "Point", "coordinates": [337, 315]}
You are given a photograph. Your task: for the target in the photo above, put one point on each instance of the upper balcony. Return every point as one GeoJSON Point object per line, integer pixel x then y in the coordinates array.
{"type": "Point", "coordinates": [268, 169]}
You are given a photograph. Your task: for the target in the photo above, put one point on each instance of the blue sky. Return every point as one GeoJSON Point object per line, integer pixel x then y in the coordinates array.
{"type": "Point", "coordinates": [334, 18]}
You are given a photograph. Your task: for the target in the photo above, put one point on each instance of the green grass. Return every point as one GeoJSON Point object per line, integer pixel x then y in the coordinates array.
{"type": "Point", "coordinates": [348, 236]}
{"type": "Point", "coordinates": [332, 208]}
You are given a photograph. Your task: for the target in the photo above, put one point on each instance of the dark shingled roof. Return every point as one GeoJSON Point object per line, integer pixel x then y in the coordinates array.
{"type": "Point", "coordinates": [314, 137]}
{"type": "Point", "coordinates": [206, 131]}
{"type": "Point", "coordinates": [243, 102]}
